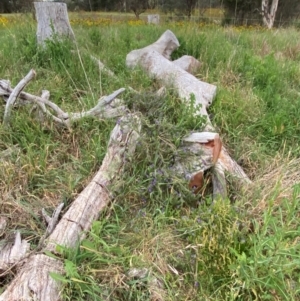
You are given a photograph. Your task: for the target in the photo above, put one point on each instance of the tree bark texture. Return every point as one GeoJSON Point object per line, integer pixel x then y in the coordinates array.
{"type": "Point", "coordinates": [53, 21]}
{"type": "Point", "coordinates": [269, 12]}
{"type": "Point", "coordinates": [202, 147]}
{"type": "Point", "coordinates": [33, 282]}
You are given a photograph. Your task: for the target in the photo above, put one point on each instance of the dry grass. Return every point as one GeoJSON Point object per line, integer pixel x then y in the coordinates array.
{"type": "Point", "coordinates": [280, 181]}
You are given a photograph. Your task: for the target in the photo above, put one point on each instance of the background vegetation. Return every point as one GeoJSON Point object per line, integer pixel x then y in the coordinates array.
{"type": "Point", "coordinates": [237, 12]}
{"type": "Point", "coordinates": [243, 248]}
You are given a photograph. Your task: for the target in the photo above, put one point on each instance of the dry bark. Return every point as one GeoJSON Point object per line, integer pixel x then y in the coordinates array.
{"type": "Point", "coordinates": [33, 281]}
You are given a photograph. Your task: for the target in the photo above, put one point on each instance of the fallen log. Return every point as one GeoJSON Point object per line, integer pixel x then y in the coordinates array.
{"type": "Point", "coordinates": [33, 281]}
{"type": "Point", "coordinates": [165, 45]}
{"type": "Point", "coordinates": [154, 59]}
{"type": "Point", "coordinates": [186, 85]}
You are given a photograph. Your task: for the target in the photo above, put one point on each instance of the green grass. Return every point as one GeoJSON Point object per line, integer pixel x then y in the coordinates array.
{"type": "Point", "coordinates": [245, 248]}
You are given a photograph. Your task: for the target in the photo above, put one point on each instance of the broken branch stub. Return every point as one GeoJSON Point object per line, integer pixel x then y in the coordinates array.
{"type": "Point", "coordinates": [188, 63]}
{"type": "Point", "coordinates": [165, 45]}
{"type": "Point", "coordinates": [12, 253]}
{"type": "Point", "coordinates": [15, 93]}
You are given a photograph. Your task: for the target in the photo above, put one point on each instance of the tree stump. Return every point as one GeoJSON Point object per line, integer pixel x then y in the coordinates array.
{"type": "Point", "coordinates": [53, 21]}
{"type": "Point", "coordinates": [153, 19]}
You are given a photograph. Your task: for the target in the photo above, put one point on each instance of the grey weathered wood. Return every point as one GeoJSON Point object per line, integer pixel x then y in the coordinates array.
{"type": "Point", "coordinates": [12, 252]}
{"type": "Point", "coordinates": [187, 86]}
{"type": "Point", "coordinates": [165, 45]}
{"type": "Point", "coordinates": [219, 182]}
{"type": "Point", "coordinates": [188, 63]}
{"type": "Point", "coordinates": [33, 281]}
{"type": "Point", "coordinates": [153, 19]}
{"type": "Point", "coordinates": [14, 95]}
{"type": "Point", "coordinates": [103, 108]}
{"type": "Point", "coordinates": [52, 21]}
{"type": "Point", "coordinates": [53, 220]}
{"type": "Point", "coordinates": [201, 157]}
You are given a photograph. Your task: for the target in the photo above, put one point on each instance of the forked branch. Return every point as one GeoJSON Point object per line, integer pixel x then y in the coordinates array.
{"type": "Point", "coordinates": [49, 108]}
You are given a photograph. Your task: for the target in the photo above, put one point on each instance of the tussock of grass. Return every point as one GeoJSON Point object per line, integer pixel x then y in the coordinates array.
{"type": "Point", "coordinates": [246, 248]}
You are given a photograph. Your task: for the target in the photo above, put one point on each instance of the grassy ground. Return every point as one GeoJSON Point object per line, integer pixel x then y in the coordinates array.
{"type": "Point", "coordinates": [245, 248]}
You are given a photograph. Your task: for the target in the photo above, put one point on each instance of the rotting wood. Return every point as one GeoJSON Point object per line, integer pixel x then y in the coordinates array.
{"type": "Point", "coordinates": [33, 281]}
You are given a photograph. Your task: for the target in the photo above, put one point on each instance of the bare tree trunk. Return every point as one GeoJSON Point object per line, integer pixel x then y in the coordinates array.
{"type": "Point", "coordinates": [53, 21]}
{"type": "Point", "coordinates": [269, 12]}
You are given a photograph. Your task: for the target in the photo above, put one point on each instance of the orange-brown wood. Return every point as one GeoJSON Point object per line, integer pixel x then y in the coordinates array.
{"type": "Point", "coordinates": [196, 182]}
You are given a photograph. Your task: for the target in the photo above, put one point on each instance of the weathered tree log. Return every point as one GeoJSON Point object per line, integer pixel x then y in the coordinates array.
{"type": "Point", "coordinates": [186, 85]}
{"type": "Point", "coordinates": [33, 281]}
{"type": "Point", "coordinates": [165, 45]}
{"type": "Point", "coordinates": [189, 88]}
